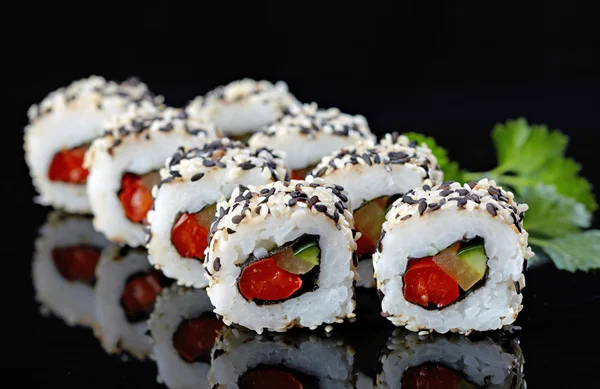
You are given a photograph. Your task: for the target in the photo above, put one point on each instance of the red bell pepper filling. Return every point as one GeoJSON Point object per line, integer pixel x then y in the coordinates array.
{"type": "Point", "coordinates": [67, 166]}
{"type": "Point", "coordinates": [135, 197]}
{"type": "Point", "coordinates": [425, 283]}
{"type": "Point", "coordinates": [140, 293]}
{"type": "Point", "coordinates": [269, 379]}
{"type": "Point", "coordinates": [77, 263]}
{"type": "Point", "coordinates": [190, 233]}
{"type": "Point", "coordinates": [195, 338]}
{"type": "Point", "coordinates": [265, 281]}
{"type": "Point", "coordinates": [369, 220]}
{"type": "Point", "coordinates": [429, 376]}
{"type": "Point", "coordinates": [300, 174]}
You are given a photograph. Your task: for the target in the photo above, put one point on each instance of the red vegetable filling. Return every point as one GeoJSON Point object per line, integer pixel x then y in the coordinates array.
{"type": "Point", "coordinates": [269, 379]}
{"type": "Point", "coordinates": [67, 166]}
{"type": "Point", "coordinates": [195, 338]}
{"type": "Point", "coordinates": [368, 220]}
{"type": "Point", "coordinates": [429, 377]}
{"type": "Point", "coordinates": [300, 174]}
{"type": "Point", "coordinates": [265, 281]}
{"type": "Point", "coordinates": [190, 233]}
{"type": "Point", "coordinates": [140, 293]}
{"type": "Point", "coordinates": [136, 195]}
{"type": "Point", "coordinates": [425, 283]}
{"type": "Point", "coordinates": [76, 263]}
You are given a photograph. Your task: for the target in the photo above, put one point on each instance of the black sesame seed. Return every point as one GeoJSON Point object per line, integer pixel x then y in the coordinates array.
{"type": "Point", "coordinates": [524, 265]}
{"type": "Point", "coordinates": [238, 218]}
{"type": "Point", "coordinates": [292, 202]}
{"type": "Point", "coordinates": [264, 191]}
{"type": "Point", "coordinates": [175, 173]}
{"type": "Point", "coordinates": [518, 287]}
{"type": "Point", "coordinates": [491, 208]}
{"type": "Point", "coordinates": [196, 177]}
{"type": "Point", "coordinates": [426, 187]}
{"type": "Point", "coordinates": [474, 197]}
{"type": "Point", "coordinates": [461, 202]}
{"type": "Point", "coordinates": [433, 205]}
{"type": "Point", "coordinates": [472, 184]}
{"type": "Point", "coordinates": [367, 159]}
{"type": "Point", "coordinates": [208, 272]}
{"type": "Point", "coordinates": [208, 163]}
{"type": "Point", "coordinates": [422, 207]}
{"type": "Point", "coordinates": [320, 172]}
{"type": "Point", "coordinates": [217, 264]}
{"type": "Point", "coordinates": [314, 185]}
{"type": "Point", "coordinates": [406, 217]}
{"type": "Point", "coordinates": [446, 192]}
{"type": "Point", "coordinates": [493, 191]}
{"type": "Point", "coordinates": [166, 180]}
{"type": "Point", "coordinates": [247, 166]}
{"type": "Point", "coordinates": [321, 208]}
{"type": "Point", "coordinates": [230, 231]}
{"type": "Point", "coordinates": [343, 197]}
{"type": "Point", "coordinates": [313, 200]}
{"type": "Point", "coordinates": [338, 187]}
{"type": "Point", "coordinates": [408, 200]}
{"type": "Point", "coordinates": [462, 192]}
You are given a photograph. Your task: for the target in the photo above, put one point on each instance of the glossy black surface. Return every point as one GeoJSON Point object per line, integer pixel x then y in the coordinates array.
{"type": "Point", "coordinates": [475, 69]}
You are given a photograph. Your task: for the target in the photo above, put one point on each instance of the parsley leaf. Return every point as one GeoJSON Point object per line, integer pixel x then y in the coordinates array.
{"type": "Point", "coordinates": [573, 252]}
{"type": "Point", "coordinates": [452, 171]}
{"type": "Point", "coordinates": [551, 214]}
{"type": "Point", "coordinates": [564, 175]}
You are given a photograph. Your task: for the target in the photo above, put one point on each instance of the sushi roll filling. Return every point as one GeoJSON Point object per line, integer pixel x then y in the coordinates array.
{"type": "Point", "coordinates": [300, 174]}
{"type": "Point", "coordinates": [368, 220]}
{"type": "Point", "coordinates": [77, 263]}
{"type": "Point", "coordinates": [135, 194]}
{"type": "Point", "coordinates": [140, 292]}
{"type": "Point", "coordinates": [275, 377]}
{"type": "Point", "coordinates": [190, 231]}
{"type": "Point", "coordinates": [437, 281]}
{"type": "Point", "coordinates": [195, 338]}
{"type": "Point", "coordinates": [435, 375]}
{"type": "Point", "coordinates": [285, 272]}
{"type": "Point", "coordinates": [67, 166]}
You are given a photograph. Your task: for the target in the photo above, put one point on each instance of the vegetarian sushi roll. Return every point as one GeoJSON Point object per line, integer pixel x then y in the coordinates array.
{"type": "Point", "coordinates": [184, 330]}
{"type": "Point", "coordinates": [242, 107]}
{"type": "Point", "coordinates": [125, 294]}
{"type": "Point", "coordinates": [195, 180]}
{"type": "Point", "coordinates": [124, 165]}
{"type": "Point", "coordinates": [375, 175]}
{"type": "Point", "coordinates": [306, 134]}
{"type": "Point", "coordinates": [60, 130]}
{"type": "Point", "coordinates": [244, 360]}
{"type": "Point", "coordinates": [452, 258]}
{"type": "Point", "coordinates": [492, 360]}
{"type": "Point", "coordinates": [64, 264]}
{"type": "Point", "coordinates": [282, 255]}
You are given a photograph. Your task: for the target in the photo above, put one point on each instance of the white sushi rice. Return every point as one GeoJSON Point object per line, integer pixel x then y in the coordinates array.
{"type": "Point", "coordinates": [114, 331]}
{"type": "Point", "coordinates": [269, 218]}
{"type": "Point", "coordinates": [409, 234]}
{"type": "Point", "coordinates": [369, 170]}
{"type": "Point", "coordinates": [138, 142]}
{"type": "Point", "coordinates": [172, 307]}
{"type": "Point", "coordinates": [231, 164]}
{"type": "Point", "coordinates": [239, 351]}
{"type": "Point", "coordinates": [484, 362]}
{"type": "Point", "coordinates": [306, 134]}
{"type": "Point", "coordinates": [73, 302]}
{"type": "Point", "coordinates": [243, 106]}
{"type": "Point", "coordinates": [69, 117]}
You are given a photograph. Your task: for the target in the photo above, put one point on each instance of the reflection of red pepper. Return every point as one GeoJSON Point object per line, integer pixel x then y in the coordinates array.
{"type": "Point", "coordinates": [195, 338]}
{"type": "Point", "coordinates": [67, 166]}
{"type": "Point", "coordinates": [426, 283]}
{"type": "Point", "coordinates": [429, 377]}
{"type": "Point", "coordinates": [264, 280]}
{"type": "Point", "coordinates": [140, 293]}
{"type": "Point", "coordinates": [270, 379]}
{"type": "Point", "coordinates": [76, 263]}
{"type": "Point", "coordinates": [135, 197]}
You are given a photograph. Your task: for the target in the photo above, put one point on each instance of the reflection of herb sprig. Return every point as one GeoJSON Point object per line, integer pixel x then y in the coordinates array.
{"type": "Point", "coordinates": [531, 162]}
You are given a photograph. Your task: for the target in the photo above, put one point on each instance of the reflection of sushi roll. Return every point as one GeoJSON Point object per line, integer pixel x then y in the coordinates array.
{"type": "Point", "coordinates": [281, 255]}
{"type": "Point", "coordinates": [66, 255]}
{"type": "Point", "coordinates": [243, 360]}
{"type": "Point", "coordinates": [60, 130]}
{"type": "Point", "coordinates": [451, 258]}
{"type": "Point", "coordinates": [186, 204]}
{"type": "Point", "coordinates": [455, 361]}
{"type": "Point", "coordinates": [242, 107]}
{"type": "Point", "coordinates": [306, 134]}
{"type": "Point", "coordinates": [124, 166]}
{"type": "Point", "coordinates": [125, 294]}
{"type": "Point", "coordinates": [375, 175]}
{"type": "Point", "coordinates": [184, 330]}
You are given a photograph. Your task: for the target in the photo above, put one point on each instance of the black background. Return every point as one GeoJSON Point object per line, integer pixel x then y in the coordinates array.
{"type": "Point", "coordinates": [451, 73]}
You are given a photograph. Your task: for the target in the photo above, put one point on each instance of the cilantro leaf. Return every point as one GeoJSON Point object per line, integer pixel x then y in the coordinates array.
{"type": "Point", "coordinates": [573, 252]}
{"type": "Point", "coordinates": [524, 149]}
{"type": "Point", "coordinates": [564, 175]}
{"type": "Point", "coordinates": [452, 171]}
{"type": "Point", "coordinates": [551, 214]}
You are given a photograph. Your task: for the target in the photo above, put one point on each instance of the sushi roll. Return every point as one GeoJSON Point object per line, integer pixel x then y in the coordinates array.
{"type": "Point", "coordinates": [306, 134]}
{"type": "Point", "coordinates": [493, 360]}
{"type": "Point", "coordinates": [64, 264]}
{"type": "Point", "coordinates": [282, 255]}
{"type": "Point", "coordinates": [126, 290]}
{"type": "Point", "coordinates": [243, 360]}
{"type": "Point", "coordinates": [60, 130]}
{"type": "Point", "coordinates": [452, 258]}
{"type": "Point", "coordinates": [375, 175]}
{"type": "Point", "coordinates": [184, 330]}
{"type": "Point", "coordinates": [124, 165]}
{"type": "Point", "coordinates": [195, 180]}
{"type": "Point", "coordinates": [243, 106]}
